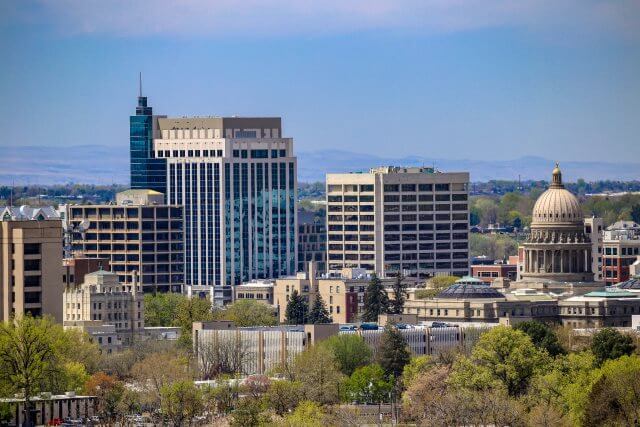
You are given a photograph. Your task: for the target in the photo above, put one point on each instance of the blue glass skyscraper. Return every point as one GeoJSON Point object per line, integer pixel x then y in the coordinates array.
{"type": "Point", "coordinates": [147, 172]}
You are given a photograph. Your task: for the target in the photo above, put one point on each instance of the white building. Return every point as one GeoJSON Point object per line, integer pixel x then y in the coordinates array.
{"type": "Point", "coordinates": [236, 178]}
{"type": "Point", "coordinates": [103, 300]}
{"type": "Point", "coordinates": [413, 221]}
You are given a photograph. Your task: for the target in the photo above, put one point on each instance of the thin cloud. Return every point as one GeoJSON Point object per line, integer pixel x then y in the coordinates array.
{"type": "Point", "coordinates": [222, 18]}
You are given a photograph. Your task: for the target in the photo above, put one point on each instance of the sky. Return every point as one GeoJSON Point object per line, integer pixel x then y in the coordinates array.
{"type": "Point", "coordinates": [449, 79]}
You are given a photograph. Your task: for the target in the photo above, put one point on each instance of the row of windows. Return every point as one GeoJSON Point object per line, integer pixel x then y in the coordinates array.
{"type": "Point", "coordinates": [126, 213]}
{"type": "Point", "coordinates": [350, 188]}
{"type": "Point", "coordinates": [426, 208]}
{"type": "Point", "coordinates": [189, 153]}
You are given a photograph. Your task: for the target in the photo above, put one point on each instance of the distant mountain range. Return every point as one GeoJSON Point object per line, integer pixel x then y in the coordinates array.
{"type": "Point", "coordinates": [99, 164]}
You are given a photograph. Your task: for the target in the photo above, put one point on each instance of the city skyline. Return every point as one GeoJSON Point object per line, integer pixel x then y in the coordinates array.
{"type": "Point", "coordinates": [450, 81]}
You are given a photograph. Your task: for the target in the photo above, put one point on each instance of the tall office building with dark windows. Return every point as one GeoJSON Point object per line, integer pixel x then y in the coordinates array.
{"type": "Point", "coordinates": [147, 171]}
{"type": "Point", "coordinates": [236, 179]}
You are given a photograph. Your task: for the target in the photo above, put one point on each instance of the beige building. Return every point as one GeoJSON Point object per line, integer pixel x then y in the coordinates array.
{"type": "Point", "coordinates": [343, 293]}
{"type": "Point", "coordinates": [259, 290]}
{"type": "Point", "coordinates": [558, 254]}
{"type": "Point", "coordinates": [138, 235]}
{"type": "Point", "coordinates": [31, 271]}
{"type": "Point", "coordinates": [594, 229]}
{"type": "Point", "coordinates": [392, 220]}
{"type": "Point", "coordinates": [599, 309]}
{"type": "Point", "coordinates": [102, 299]}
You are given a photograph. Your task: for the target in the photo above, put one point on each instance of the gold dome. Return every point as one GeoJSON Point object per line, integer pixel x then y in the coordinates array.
{"type": "Point", "coordinates": [557, 204]}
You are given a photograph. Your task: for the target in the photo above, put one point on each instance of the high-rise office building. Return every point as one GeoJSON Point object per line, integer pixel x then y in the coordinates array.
{"type": "Point", "coordinates": [236, 178]}
{"type": "Point", "coordinates": [147, 171]}
{"type": "Point", "coordinates": [30, 262]}
{"type": "Point", "coordinates": [412, 221]}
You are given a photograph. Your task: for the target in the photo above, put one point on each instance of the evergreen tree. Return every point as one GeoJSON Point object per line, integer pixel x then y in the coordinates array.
{"type": "Point", "coordinates": [297, 309]}
{"type": "Point", "coordinates": [396, 306]}
{"type": "Point", "coordinates": [376, 301]}
{"type": "Point", "coordinates": [319, 312]}
{"type": "Point", "coordinates": [393, 353]}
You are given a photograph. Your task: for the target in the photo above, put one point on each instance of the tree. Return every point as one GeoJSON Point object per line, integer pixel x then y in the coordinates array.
{"type": "Point", "coordinates": [256, 385]}
{"type": "Point", "coordinates": [417, 365]}
{"type": "Point", "coordinates": [108, 391]}
{"type": "Point", "coordinates": [368, 384]}
{"type": "Point", "coordinates": [319, 312]}
{"type": "Point", "coordinates": [502, 357]}
{"type": "Point", "coordinates": [160, 309]}
{"type": "Point", "coordinates": [297, 309]}
{"type": "Point", "coordinates": [349, 350]}
{"type": "Point", "coordinates": [608, 343]}
{"type": "Point", "coordinates": [248, 312]}
{"type": "Point", "coordinates": [614, 399]}
{"type": "Point", "coordinates": [396, 305]}
{"type": "Point", "coordinates": [221, 398]}
{"type": "Point", "coordinates": [227, 354]}
{"type": "Point", "coordinates": [307, 414]}
{"type": "Point", "coordinates": [248, 413]}
{"type": "Point", "coordinates": [181, 402]}
{"type": "Point", "coordinates": [191, 310]}
{"type": "Point", "coordinates": [442, 282]}
{"type": "Point", "coordinates": [376, 301]}
{"type": "Point", "coordinates": [317, 371]}
{"type": "Point", "coordinates": [151, 379]}
{"type": "Point", "coordinates": [393, 353]}
{"type": "Point", "coordinates": [283, 396]}
{"type": "Point", "coordinates": [542, 336]}
{"type": "Point", "coordinates": [37, 355]}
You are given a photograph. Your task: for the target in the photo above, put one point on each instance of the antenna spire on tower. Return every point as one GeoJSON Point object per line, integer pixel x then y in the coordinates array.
{"type": "Point", "coordinates": [140, 84]}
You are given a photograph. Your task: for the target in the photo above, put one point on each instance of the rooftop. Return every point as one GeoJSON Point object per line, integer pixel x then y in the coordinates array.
{"type": "Point", "coordinates": [22, 213]}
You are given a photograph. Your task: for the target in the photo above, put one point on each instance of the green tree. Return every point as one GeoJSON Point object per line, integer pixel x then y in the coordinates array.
{"type": "Point", "coordinates": [249, 413]}
{"type": "Point", "coordinates": [181, 402]}
{"type": "Point", "coordinates": [283, 396]}
{"type": "Point", "coordinates": [417, 365]}
{"type": "Point", "coordinates": [441, 282]}
{"type": "Point", "coordinates": [319, 312]}
{"type": "Point", "coordinates": [297, 309]}
{"type": "Point", "coordinates": [191, 310]}
{"type": "Point", "coordinates": [368, 384]}
{"type": "Point", "coordinates": [542, 336]}
{"type": "Point", "coordinates": [608, 343]}
{"type": "Point", "coordinates": [614, 398]}
{"type": "Point", "coordinates": [160, 309]}
{"type": "Point", "coordinates": [349, 350]}
{"type": "Point", "coordinates": [376, 301]}
{"type": "Point", "coordinates": [393, 353]}
{"type": "Point", "coordinates": [502, 357]}
{"type": "Point", "coordinates": [37, 355]}
{"type": "Point", "coordinates": [248, 312]}
{"type": "Point", "coordinates": [307, 414]}
{"type": "Point", "coordinates": [317, 371]}
{"type": "Point", "coordinates": [396, 305]}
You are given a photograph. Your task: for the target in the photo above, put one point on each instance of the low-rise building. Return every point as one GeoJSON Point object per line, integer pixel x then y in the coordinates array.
{"type": "Point", "coordinates": [102, 298]}
{"type": "Point", "coordinates": [47, 407]}
{"type": "Point", "coordinates": [621, 249]}
{"type": "Point", "coordinates": [259, 290]}
{"type": "Point", "coordinates": [489, 273]}
{"type": "Point", "coordinates": [599, 309]}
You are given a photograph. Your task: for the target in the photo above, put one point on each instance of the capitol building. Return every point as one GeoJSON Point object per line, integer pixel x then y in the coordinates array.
{"type": "Point", "coordinates": [557, 255]}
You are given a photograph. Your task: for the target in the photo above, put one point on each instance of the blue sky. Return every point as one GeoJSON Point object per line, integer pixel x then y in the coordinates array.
{"type": "Point", "coordinates": [491, 79]}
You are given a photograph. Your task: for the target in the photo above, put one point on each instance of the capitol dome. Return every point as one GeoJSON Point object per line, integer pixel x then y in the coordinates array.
{"type": "Point", "coordinates": [557, 204]}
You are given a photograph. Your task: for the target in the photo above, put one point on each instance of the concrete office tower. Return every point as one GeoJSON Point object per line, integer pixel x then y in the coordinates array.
{"type": "Point", "coordinates": [413, 221]}
{"type": "Point", "coordinates": [30, 262]}
{"type": "Point", "coordinates": [236, 178]}
{"type": "Point", "coordinates": [138, 235]}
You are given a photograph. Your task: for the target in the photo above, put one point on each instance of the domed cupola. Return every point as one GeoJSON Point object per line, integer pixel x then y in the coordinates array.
{"type": "Point", "coordinates": [557, 205]}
